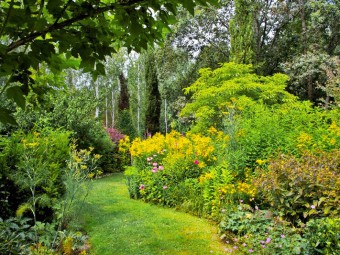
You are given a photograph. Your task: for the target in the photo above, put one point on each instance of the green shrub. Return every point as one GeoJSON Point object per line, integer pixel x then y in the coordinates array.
{"type": "Point", "coordinates": [258, 232]}
{"type": "Point", "coordinates": [32, 169]}
{"type": "Point", "coordinates": [302, 188]}
{"type": "Point", "coordinates": [323, 236]}
{"type": "Point", "coordinates": [16, 236]}
{"type": "Point", "coordinates": [74, 111]}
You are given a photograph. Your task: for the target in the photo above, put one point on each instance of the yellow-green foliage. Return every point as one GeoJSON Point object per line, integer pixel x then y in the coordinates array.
{"type": "Point", "coordinates": [220, 190]}
{"type": "Point", "coordinates": [325, 139]}
{"type": "Point", "coordinates": [215, 88]}
{"type": "Point", "coordinates": [67, 245]}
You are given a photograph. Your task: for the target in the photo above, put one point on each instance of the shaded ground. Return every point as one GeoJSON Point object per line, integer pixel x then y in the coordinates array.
{"type": "Point", "coordinates": [117, 225]}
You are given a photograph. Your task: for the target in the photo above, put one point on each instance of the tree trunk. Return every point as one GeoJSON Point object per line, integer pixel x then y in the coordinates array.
{"type": "Point", "coordinates": [138, 101]}
{"type": "Point", "coordinates": [97, 98]}
{"type": "Point", "coordinates": [106, 113]}
{"type": "Point", "coordinates": [113, 102]}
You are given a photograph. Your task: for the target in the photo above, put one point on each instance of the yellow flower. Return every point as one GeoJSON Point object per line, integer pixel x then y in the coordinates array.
{"type": "Point", "coordinates": [260, 162]}
{"type": "Point", "coordinates": [212, 130]}
{"type": "Point", "coordinates": [202, 164]}
{"type": "Point", "coordinates": [304, 139]}
{"type": "Point", "coordinates": [77, 159]}
{"type": "Point", "coordinates": [248, 216]}
{"type": "Point", "coordinates": [32, 144]}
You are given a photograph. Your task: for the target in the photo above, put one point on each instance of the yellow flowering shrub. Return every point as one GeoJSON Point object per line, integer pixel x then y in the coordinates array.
{"type": "Point", "coordinates": [221, 190]}
{"type": "Point", "coordinates": [124, 150]}
{"type": "Point", "coordinates": [163, 162]}
{"type": "Point", "coordinates": [143, 148]}
{"type": "Point", "coordinates": [82, 165]}
{"type": "Point", "coordinates": [174, 150]}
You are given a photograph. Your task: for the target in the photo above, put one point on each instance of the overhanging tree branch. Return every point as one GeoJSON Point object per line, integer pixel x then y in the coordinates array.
{"type": "Point", "coordinates": [92, 13]}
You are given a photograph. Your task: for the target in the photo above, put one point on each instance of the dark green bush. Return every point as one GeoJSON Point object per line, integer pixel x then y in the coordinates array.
{"type": "Point", "coordinates": [16, 236]}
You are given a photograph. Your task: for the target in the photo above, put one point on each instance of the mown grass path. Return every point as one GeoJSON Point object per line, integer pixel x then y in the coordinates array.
{"type": "Point", "coordinates": [118, 225]}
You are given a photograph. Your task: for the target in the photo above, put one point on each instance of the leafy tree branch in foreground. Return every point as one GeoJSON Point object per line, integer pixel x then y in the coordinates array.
{"type": "Point", "coordinates": [57, 31]}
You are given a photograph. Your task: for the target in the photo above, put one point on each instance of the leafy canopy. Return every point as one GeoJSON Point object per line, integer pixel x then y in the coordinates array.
{"type": "Point", "coordinates": [216, 90]}
{"type": "Point", "coordinates": [59, 31]}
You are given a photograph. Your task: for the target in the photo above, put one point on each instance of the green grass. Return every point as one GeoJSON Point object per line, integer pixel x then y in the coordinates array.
{"type": "Point", "coordinates": [117, 225]}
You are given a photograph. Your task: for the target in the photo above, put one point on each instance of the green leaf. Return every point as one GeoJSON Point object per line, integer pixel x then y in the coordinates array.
{"type": "Point", "coordinates": [321, 200]}
{"type": "Point", "coordinates": [327, 209]}
{"type": "Point", "coordinates": [189, 5]}
{"type": "Point", "coordinates": [6, 116]}
{"type": "Point", "coordinates": [22, 209]}
{"type": "Point", "coordinates": [100, 68]}
{"type": "Point", "coordinates": [290, 193]}
{"type": "Point", "coordinates": [305, 214]}
{"type": "Point", "coordinates": [17, 95]}
{"type": "Point", "coordinates": [171, 8]}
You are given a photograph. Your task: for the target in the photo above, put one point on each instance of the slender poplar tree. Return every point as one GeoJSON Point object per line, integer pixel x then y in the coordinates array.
{"type": "Point", "coordinates": [154, 99]}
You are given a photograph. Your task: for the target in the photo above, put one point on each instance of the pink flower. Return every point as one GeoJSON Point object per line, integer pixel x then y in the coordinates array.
{"type": "Point", "coordinates": [244, 244]}
{"type": "Point", "coordinates": [154, 170]}
{"type": "Point", "coordinates": [251, 250]}
{"type": "Point", "coordinates": [241, 201]}
{"type": "Point", "coordinates": [235, 247]}
{"type": "Point", "coordinates": [161, 168]}
{"type": "Point", "coordinates": [142, 187]}
{"type": "Point", "coordinates": [283, 236]}
{"type": "Point", "coordinates": [262, 242]}
{"type": "Point", "coordinates": [165, 187]}
{"type": "Point", "coordinates": [196, 162]}
{"type": "Point", "coordinates": [155, 164]}
{"type": "Point", "coordinates": [268, 240]}
{"type": "Point", "coordinates": [312, 206]}
{"type": "Point", "coordinates": [263, 246]}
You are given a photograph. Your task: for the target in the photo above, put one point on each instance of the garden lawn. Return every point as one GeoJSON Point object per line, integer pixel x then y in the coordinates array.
{"type": "Point", "coordinates": [117, 225]}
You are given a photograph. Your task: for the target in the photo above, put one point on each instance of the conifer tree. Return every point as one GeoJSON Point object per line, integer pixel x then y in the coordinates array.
{"type": "Point", "coordinates": [154, 99]}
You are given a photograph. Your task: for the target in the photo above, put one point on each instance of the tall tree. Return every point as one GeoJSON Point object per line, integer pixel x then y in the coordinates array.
{"type": "Point", "coordinates": [124, 98]}
{"type": "Point", "coordinates": [241, 33]}
{"type": "Point", "coordinates": [137, 90]}
{"type": "Point", "coordinates": [153, 111]}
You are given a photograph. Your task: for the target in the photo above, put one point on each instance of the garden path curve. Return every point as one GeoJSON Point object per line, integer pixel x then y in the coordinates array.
{"type": "Point", "coordinates": [118, 225]}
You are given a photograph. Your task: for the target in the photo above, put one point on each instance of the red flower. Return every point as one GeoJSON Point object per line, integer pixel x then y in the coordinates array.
{"type": "Point", "coordinates": [196, 162]}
